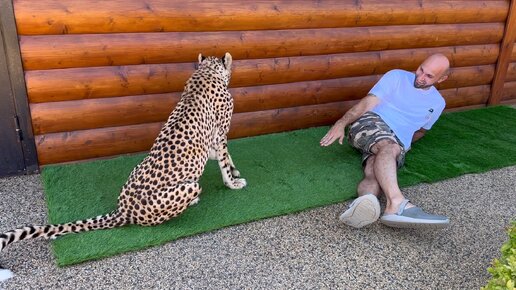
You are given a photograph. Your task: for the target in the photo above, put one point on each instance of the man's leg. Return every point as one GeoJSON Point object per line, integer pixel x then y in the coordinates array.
{"type": "Point", "coordinates": [385, 170]}
{"type": "Point", "coordinates": [369, 184]}
{"type": "Point", "coordinates": [365, 209]}
{"type": "Point", "coordinates": [398, 211]}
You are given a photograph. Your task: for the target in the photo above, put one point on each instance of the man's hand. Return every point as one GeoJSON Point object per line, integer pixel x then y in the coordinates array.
{"type": "Point", "coordinates": [335, 132]}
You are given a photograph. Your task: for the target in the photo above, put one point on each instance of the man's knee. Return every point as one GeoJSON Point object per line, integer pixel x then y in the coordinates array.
{"type": "Point", "coordinates": [387, 146]}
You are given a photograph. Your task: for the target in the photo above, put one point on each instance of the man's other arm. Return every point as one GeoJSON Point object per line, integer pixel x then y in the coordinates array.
{"type": "Point", "coordinates": [418, 135]}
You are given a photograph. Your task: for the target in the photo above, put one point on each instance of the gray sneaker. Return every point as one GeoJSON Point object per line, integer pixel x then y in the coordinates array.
{"type": "Point", "coordinates": [414, 217]}
{"type": "Point", "coordinates": [363, 211]}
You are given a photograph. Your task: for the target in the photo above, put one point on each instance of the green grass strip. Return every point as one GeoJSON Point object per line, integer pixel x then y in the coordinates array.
{"type": "Point", "coordinates": [286, 173]}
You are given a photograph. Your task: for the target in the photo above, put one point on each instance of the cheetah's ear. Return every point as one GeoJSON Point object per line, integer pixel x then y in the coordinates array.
{"type": "Point", "coordinates": [201, 57]}
{"type": "Point", "coordinates": [227, 60]}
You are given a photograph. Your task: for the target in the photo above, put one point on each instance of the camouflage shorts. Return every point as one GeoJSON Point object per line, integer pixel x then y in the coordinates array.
{"type": "Point", "coordinates": [368, 130]}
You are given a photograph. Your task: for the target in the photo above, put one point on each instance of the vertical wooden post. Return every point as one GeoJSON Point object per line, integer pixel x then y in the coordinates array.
{"type": "Point", "coordinates": [14, 94]}
{"type": "Point", "coordinates": [505, 56]}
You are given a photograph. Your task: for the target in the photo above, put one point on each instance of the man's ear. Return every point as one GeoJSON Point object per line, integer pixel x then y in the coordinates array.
{"type": "Point", "coordinates": [227, 60]}
{"type": "Point", "coordinates": [442, 79]}
{"type": "Point", "coordinates": [201, 57]}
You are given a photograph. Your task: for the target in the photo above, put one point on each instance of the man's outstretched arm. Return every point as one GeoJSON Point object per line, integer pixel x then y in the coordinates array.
{"type": "Point", "coordinates": [337, 130]}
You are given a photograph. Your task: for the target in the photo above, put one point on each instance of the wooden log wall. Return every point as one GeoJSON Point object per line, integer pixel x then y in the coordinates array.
{"type": "Point", "coordinates": [102, 76]}
{"type": "Point", "coordinates": [509, 86]}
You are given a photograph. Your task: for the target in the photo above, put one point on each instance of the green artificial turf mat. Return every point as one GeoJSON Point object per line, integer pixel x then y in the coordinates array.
{"type": "Point", "coordinates": [286, 173]}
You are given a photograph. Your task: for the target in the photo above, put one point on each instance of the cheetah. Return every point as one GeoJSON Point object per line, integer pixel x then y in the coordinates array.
{"type": "Point", "coordinates": [165, 183]}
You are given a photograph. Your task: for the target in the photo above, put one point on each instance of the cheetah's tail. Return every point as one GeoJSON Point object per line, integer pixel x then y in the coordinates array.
{"type": "Point", "coordinates": [111, 220]}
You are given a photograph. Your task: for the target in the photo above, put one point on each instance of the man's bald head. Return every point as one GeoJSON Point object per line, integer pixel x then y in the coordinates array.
{"type": "Point", "coordinates": [433, 70]}
{"type": "Point", "coordinates": [438, 61]}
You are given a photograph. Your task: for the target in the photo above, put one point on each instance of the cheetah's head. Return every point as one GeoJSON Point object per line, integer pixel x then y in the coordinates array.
{"type": "Point", "coordinates": [220, 65]}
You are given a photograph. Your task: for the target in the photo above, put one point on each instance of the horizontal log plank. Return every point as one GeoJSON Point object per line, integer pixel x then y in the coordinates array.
{"type": "Point", "coordinates": [271, 121]}
{"type": "Point", "coordinates": [78, 17]}
{"type": "Point", "coordinates": [468, 76]}
{"type": "Point", "coordinates": [511, 72]}
{"type": "Point", "coordinates": [466, 96]}
{"type": "Point", "coordinates": [68, 51]}
{"type": "Point", "coordinates": [73, 146]}
{"type": "Point", "coordinates": [98, 113]}
{"type": "Point", "coordinates": [286, 119]}
{"type": "Point", "coordinates": [268, 97]}
{"type": "Point", "coordinates": [109, 112]}
{"type": "Point", "coordinates": [94, 143]}
{"type": "Point", "coordinates": [509, 91]}
{"type": "Point", "coordinates": [100, 82]}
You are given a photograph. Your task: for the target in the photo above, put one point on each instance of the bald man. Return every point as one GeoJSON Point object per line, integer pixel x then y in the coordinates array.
{"type": "Point", "coordinates": [398, 110]}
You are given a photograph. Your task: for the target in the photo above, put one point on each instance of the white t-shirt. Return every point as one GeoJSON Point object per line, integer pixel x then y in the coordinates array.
{"type": "Point", "coordinates": [405, 108]}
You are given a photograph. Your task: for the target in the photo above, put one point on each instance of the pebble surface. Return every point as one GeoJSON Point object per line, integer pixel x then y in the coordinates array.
{"type": "Point", "coordinates": [307, 250]}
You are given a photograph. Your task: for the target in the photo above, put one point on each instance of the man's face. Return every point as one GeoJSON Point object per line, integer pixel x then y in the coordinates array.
{"type": "Point", "coordinates": [425, 77]}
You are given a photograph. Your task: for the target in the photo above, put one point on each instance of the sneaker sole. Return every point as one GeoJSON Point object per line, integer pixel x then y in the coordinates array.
{"type": "Point", "coordinates": [410, 223]}
{"type": "Point", "coordinates": [365, 212]}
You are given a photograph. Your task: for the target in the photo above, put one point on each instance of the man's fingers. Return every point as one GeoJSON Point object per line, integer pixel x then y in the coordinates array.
{"type": "Point", "coordinates": [325, 140]}
{"type": "Point", "coordinates": [328, 139]}
{"type": "Point", "coordinates": [332, 135]}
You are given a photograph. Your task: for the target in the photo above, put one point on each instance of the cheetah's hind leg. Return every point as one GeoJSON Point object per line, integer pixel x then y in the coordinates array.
{"type": "Point", "coordinates": [181, 196]}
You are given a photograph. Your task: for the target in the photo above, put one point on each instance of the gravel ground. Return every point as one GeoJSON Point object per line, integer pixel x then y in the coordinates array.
{"type": "Point", "coordinates": [309, 250]}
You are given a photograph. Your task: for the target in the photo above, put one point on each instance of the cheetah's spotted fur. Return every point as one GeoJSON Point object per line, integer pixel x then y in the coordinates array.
{"type": "Point", "coordinates": [165, 183]}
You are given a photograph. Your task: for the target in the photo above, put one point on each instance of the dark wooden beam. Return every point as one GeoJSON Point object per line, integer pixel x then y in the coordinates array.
{"type": "Point", "coordinates": [504, 58]}
{"type": "Point", "coordinates": [17, 84]}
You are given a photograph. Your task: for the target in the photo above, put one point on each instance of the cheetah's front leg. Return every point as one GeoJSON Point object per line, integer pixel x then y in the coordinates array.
{"type": "Point", "coordinates": [230, 175]}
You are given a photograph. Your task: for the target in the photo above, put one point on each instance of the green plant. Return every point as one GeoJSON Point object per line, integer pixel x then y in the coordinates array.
{"type": "Point", "coordinates": [504, 269]}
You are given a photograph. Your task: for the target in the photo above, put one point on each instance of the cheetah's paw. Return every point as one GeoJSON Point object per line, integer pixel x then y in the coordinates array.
{"type": "Point", "coordinates": [238, 183]}
{"type": "Point", "coordinates": [196, 200]}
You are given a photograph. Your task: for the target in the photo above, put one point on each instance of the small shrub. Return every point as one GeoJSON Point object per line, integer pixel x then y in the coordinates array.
{"type": "Point", "coordinates": [503, 270]}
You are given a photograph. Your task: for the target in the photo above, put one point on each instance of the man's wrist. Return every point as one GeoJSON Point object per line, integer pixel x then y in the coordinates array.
{"type": "Point", "coordinates": [341, 122]}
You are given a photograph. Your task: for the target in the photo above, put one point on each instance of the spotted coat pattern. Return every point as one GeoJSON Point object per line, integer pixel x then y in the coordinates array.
{"type": "Point", "coordinates": [165, 183]}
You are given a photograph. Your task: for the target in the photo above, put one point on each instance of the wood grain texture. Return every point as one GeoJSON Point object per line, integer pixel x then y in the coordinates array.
{"type": "Point", "coordinates": [115, 81]}
{"type": "Point", "coordinates": [78, 17]}
{"type": "Point", "coordinates": [511, 72]}
{"type": "Point", "coordinates": [94, 143]}
{"type": "Point", "coordinates": [100, 113]}
{"type": "Point", "coordinates": [108, 112]}
{"type": "Point", "coordinates": [103, 76]}
{"type": "Point", "coordinates": [504, 59]}
{"type": "Point", "coordinates": [466, 96]}
{"type": "Point", "coordinates": [509, 91]}
{"type": "Point", "coordinates": [73, 146]}
{"type": "Point", "coordinates": [91, 50]}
